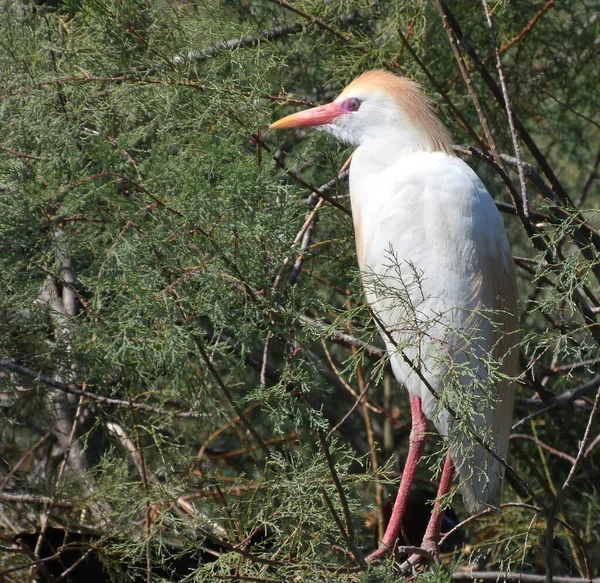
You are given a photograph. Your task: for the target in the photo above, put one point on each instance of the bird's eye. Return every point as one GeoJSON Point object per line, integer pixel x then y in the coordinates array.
{"type": "Point", "coordinates": [353, 104]}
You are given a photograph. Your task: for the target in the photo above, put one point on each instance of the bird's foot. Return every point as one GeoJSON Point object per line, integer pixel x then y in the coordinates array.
{"type": "Point", "coordinates": [426, 555]}
{"type": "Point", "coordinates": [379, 554]}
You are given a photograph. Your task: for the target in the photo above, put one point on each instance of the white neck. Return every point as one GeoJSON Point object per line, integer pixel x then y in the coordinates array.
{"type": "Point", "coordinates": [378, 152]}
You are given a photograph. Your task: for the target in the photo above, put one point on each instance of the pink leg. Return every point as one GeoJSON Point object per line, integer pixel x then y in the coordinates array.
{"type": "Point", "coordinates": [415, 451]}
{"type": "Point", "coordinates": [432, 534]}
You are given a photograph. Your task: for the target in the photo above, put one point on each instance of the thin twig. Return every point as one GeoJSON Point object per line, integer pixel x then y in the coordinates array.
{"type": "Point", "coordinates": [591, 178]}
{"type": "Point", "coordinates": [317, 21]}
{"type": "Point", "coordinates": [248, 41]}
{"type": "Point", "coordinates": [35, 499]}
{"type": "Point", "coordinates": [229, 397]}
{"type": "Point", "coordinates": [27, 455]}
{"type": "Point", "coordinates": [73, 390]}
{"type": "Point", "coordinates": [453, 28]}
{"type": "Point", "coordinates": [504, 576]}
{"type": "Point", "coordinates": [559, 401]}
{"type": "Point", "coordinates": [74, 566]}
{"type": "Point", "coordinates": [509, 112]}
{"type": "Point", "coordinates": [139, 455]}
{"type": "Point", "coordinates": [258, 140]}
{"type": "Point", "coordinates": [342, 495]}
{"type": "Point", "coordinates": [528, 28]}
{"type": "Point", "coordinates": [19, 155]}
{"type": "Point", "coordinates": [592, 445]}
{"type": "Point", "coordinates": [359, 399]}
{"type": "Point", "coordinates": [343, 338]}
{"type": "Point", "coordinates": [345, 384]}
{"type": "Point", "coordinates": [581, 453]}
{"type": "Point", "coordinates": [543, 445]}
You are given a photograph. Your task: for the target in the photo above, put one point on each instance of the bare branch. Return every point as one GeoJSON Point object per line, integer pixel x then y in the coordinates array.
{"type": "Point", "coordinates": [581, 453]}
{"type": "Point", "coordinates": [453, 29]}
{"type": "Point", "coordinates": [509, 113]}
{"type": "Point", "coordinates": [74, 390]}
{"type": "Point", "coordinates": [34, 499]}
{"type": "Point", "coordinates": [248, 41]}
{"type": "Point", "coordinates": [559, 401]}
{"type": "Point", "coordinates": [545, 446]}
{"type": "Point", "coordinates": [231, 400]}
{"type": "Point", "coordinates": [258, 140]}
{"type": "Point", "coordinates": [349, 530]}
{"type": "Point", "coordinates": [503, 576]}
{"type": "Point", "coordinates": [317, 21]}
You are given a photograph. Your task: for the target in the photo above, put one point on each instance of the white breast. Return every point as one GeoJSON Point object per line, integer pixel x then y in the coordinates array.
{"type": "Point", "coordinates": [437, 271]}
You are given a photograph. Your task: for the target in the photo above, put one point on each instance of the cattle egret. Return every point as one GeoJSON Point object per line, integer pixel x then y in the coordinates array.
{"type": "Point", "coordinates": [438, 276]}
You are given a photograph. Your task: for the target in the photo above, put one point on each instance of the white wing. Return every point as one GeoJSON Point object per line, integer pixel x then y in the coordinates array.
{"type": "Point", "coordinates": [438, 272]}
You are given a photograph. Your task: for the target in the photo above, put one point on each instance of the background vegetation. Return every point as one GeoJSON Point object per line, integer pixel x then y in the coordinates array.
{"type": "Point", "coordinates": [183, 341]}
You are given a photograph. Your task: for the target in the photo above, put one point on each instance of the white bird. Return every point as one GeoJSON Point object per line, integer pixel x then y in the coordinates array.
{"type": "Point", "coordinates": [438, 275]}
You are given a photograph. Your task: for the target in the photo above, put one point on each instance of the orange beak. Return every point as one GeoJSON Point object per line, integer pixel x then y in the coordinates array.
{"type": "Point", "coordinates": [316, 116]}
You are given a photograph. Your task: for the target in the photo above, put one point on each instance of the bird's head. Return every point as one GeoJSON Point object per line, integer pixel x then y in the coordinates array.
{"type": "Point", "coordinates": [378, 105]}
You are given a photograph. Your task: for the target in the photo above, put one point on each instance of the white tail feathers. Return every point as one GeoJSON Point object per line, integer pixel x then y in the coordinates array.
{"type": "Point", "coordinates": [481, 472]}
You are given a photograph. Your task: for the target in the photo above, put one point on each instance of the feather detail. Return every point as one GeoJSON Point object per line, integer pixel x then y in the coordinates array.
{"type": "Point", "coordinates": [481, 479]}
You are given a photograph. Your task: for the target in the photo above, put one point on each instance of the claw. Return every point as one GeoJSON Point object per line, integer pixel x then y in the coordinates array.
{"type": "Point", "coordinates": [428, 554]}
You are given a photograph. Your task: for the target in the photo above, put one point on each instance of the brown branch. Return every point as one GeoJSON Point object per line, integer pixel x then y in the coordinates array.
{"type": "Point", "coordinates": [592, 445]}
{"type": "Point", "coordinates": [559, 401]}
{"type": "Point", "coordinates": [317, 21]}
{"type": "Point", "coordinates": [569, 108]}
{"type": "Point", "coordinates": [358, 401]}
{"type": "Point", "coordinates": [231, 400]}
{"type": "Point", "coordinates": [503, 576]}
{"type": "Point", "coordinates": [35, 499]}
{"type": "Point", "coordinates": [453, 29]}
{"type": "Point", "coordinates": [73, 390]}
{"type": "Point", "coordinates": [549, 4]}
{"type": "Point", "coordinates": [545, 446]}
{"type": "Point", "coordinates": [591, 178]}
{"type": "Point", "coordinates": [239, 577]}
{"type": "Point", "coordinates": [235, 452]}
{"type": "Point", "coordinates": [304, 235]}
{"type": "Point", "coordinates": [569, 368]}
{"type": "Point", "coordinates": [35, 563]}
{"type": "Point", "coordinates": [561, 497]}
{"type": "Point", "coordinates": [230, 423]}
{"type": "Point", "coordinates": [345, 339]}
{"type": "Point", "coordinates": [509, 112]}
{"type": "Point", "coordinates": [138, 454]}
{"type": "Point", "coordinates": [580, 454]}
{"type": "Point", "coordinates": [248, 41]}
{"type": "Point", "coordinates": [349, 530]}
{"type": "Point", "coordinates": [19, 155]}
{"type": "Point", "coordinates": [258, 140]}
{"type": "Point", "coordinates": [24, 459]}
{"type": "Point", "coordinates": [346, 386]}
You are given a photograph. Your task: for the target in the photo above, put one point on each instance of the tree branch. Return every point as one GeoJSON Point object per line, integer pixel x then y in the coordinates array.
{"type": "Point", "coordinates": [73, 390]}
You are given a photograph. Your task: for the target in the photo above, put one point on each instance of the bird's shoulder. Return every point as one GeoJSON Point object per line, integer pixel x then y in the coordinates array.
{"type": "Point", "coordinates": [424, 190]}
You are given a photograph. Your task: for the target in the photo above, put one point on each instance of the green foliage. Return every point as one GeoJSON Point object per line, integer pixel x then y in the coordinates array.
{"type": "Point", "coordinates": [148, 236]}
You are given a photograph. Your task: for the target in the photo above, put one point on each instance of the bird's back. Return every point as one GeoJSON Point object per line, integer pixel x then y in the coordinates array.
{"type": "Point", "coordinates": [438, 274]}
